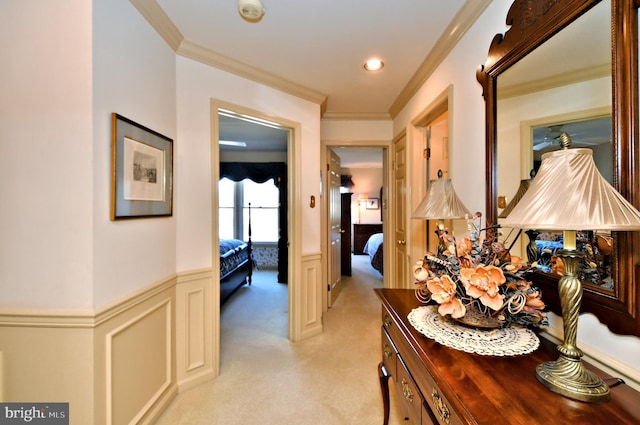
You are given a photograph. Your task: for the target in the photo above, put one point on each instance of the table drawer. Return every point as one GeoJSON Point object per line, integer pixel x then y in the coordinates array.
{"type": "Point", "coordinates": [440, 407]}
{"type": "Point", "coordinates": [408, 394]}
{"type": "Point", "coordinates": [389, 354]}
{"type": "Point", "coordinates": [434, 400]}
{"type": "Point", "coordinates": [391, 328]}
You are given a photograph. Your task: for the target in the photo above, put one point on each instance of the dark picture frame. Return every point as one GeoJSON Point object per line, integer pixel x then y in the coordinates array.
{"type": "Point", "coordinates": [141, 171]}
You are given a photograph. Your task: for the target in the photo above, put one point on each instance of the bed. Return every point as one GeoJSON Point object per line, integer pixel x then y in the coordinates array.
{"type": "Point", "coordinates": [547, 243]}
{"type": "Point", "coordinates": [235, 266]}
{"type": "Point", "coordinates": [373, 248]}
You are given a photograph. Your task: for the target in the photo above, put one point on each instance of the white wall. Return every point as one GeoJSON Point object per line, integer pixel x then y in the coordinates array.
{"type": "Point", "coordinates": [59, 250]}
{"type": "Point", "coordinates": [368, 182]}
{"type": "Point", "coordinates": [46, 155]}
{"type": "Point", "coordinates": [134, 76]}
{"type": "Point", "coordinates": [352, 131]}
{"type": "Point", "coordinates": [467, 136]}
{"type": "Point", "coordinates": [197, 85]}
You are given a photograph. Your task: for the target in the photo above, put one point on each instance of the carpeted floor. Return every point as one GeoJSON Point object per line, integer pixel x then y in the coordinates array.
{"type": "Point", "coordinates": [330, 379]}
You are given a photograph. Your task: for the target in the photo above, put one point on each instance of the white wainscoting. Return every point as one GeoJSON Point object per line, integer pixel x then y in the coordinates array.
{"type": "Point", "coordinates": [116, 366]}
{"type": "Point", "coordinates": [125, 363]}
{"type": "Point", "coordinates": [139, 359]}
{"type": "Point", "coordinates": [134, 357]}
{"type": "Point", "coordinates": [195, 328]}
{"type": "Point", "coordinates": [310, 296]}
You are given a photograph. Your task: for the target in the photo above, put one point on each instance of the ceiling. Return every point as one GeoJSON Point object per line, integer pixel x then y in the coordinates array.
{"type": "Point", "coordinates": [321, 46]}
{"type": "Point", "coordinates": [318, 49]}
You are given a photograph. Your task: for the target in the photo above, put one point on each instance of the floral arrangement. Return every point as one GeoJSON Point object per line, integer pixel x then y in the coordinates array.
{"type": "Point", "coordinates": [476, 281]}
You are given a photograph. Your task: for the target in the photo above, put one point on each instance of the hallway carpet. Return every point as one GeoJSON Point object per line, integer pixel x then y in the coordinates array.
{"type": "Point", "coordinates": [330, 379]}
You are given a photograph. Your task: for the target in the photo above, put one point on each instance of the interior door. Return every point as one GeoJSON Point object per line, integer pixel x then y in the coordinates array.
{"type": "Point", "coordinates": [345, 231]}
{"type": "Point", "coordinates": [399, 209]}
{"type": "Point", "coordinates": [335, 228]}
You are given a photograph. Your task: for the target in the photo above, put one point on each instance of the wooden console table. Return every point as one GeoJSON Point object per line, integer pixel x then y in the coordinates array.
{"type": "Point", "coordinates": [439, 385]}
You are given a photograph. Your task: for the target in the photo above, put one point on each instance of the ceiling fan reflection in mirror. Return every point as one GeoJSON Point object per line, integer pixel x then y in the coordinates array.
{"type": "Point", "coordinates": [593, 133]}
{"type": "Point", "coordinates": [585, 133]}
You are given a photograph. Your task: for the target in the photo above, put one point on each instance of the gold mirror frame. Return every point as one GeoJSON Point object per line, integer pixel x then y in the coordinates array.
{"type": "Point", "coordinates": [530, 24]}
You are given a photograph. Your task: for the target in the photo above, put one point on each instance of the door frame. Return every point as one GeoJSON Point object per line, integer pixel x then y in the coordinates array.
{"type": "Point", "coordinates": [418, 179]}
{"type": "Point", "coordinates": [295, 327]}
{"type": "Point", "coordinates": [326, 145]}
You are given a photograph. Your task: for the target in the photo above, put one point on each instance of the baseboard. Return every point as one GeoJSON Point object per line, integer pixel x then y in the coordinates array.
{"type": "Point", "coordinates": [156, 410]}
{"type": "Point", "coordinates": [195, 380]}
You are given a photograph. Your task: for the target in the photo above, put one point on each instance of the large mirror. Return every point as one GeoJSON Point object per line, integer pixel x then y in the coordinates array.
{"type": "Point", "coordinates": [569, 66]}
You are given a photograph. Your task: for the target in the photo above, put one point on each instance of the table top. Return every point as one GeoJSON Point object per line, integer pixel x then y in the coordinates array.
{"type": "Point", "coordinates": [487, 389]}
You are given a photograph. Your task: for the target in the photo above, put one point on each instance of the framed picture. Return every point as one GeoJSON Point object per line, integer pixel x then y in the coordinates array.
{"type": "Point", "coordinates": [373, 203]}
{"type": "Point", "coordinates": [141, 171]}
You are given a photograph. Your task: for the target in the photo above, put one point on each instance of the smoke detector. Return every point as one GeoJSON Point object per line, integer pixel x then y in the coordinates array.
{"type": "Point", "coordinates": [251, 10]}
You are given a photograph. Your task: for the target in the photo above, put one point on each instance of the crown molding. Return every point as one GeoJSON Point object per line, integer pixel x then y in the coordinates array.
{"type": "Point", "coordinates": [158, 19]}
{"type": "Point", "coordinates": [198, 53]}
{"type": "Point", "coordinates": [357, 116]}
{"type": "Point", "coordinates": [564, 79]}
{"type": "Point", "coordinates": [460, 24]}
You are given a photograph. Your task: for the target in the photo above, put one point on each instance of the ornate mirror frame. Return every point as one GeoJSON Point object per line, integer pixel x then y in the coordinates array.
{"type": "Point", "coordinates": [530, 24]}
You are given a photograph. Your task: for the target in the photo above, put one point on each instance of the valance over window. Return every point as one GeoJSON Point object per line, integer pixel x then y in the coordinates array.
{"type": "Point", "coordinates": [261, 172]}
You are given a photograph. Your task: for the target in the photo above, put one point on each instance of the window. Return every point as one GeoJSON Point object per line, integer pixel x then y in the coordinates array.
{"type": "Point", "coordinates": [264, 211]}
{"type": "Point", "coordinates": [235, 198]}
{"type": "Point", "coordinates": [226, 210]}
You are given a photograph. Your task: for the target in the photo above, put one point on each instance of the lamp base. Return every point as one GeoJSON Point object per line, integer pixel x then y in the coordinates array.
{"type": "Point", "coordinates": [568, 377]}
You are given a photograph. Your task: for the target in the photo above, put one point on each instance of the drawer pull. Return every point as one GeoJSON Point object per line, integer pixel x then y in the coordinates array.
{"type": "Point", "coordinates": [386, 320]}
{"type": "Point", "coordinates": [441, 409]}
{"type": "Point", "coordinates": [407, 391]}
{"type": "Point", "coordinates": [387, 351]}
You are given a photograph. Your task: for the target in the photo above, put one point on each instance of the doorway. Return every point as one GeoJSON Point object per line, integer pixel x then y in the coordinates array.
{"type": "Point", "coordinates": [267, 126]}
{"type": "Point", "coordinates": [428, 148]}
{"type": "Point", "coordinates": [370, 159]}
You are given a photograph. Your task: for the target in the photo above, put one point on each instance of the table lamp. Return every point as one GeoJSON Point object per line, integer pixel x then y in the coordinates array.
{"type": "Point", "coordinates": [532, 248]}
{"type": "Point", "coordinates": [362, 200]}
{"type": "Point", "coordinates": [569, 194]}
{"type": "Point", "coordinates": [440, 203]}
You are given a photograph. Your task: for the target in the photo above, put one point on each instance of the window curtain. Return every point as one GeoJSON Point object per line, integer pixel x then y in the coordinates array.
{"type": "Point", "coordinates": [261, 172]}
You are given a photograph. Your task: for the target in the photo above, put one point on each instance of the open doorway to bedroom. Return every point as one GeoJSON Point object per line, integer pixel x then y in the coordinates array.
{"type": "Point", "coordinates": [252, 222]}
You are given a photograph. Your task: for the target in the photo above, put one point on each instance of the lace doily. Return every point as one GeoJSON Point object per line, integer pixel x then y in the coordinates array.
{"type": "Point", "coordinates": [508, 341]}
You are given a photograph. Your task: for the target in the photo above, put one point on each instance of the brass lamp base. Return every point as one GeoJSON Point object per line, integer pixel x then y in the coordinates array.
{"type": "Point", "coordinates": [567, 375]}
{"type": "Point", "coordinates": [569, 378]}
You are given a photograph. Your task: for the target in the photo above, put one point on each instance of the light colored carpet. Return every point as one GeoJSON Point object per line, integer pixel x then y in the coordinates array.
{"type": "Point", "coordinates": [265, 379]}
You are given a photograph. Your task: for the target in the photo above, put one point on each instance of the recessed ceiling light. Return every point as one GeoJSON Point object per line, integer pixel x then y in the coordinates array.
{"type": "Point", "coordinates": [373, 65]}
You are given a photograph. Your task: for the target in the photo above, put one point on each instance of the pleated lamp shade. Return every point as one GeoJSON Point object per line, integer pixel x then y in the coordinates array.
{"type": "Point", "coordinates": [440, 202]}
{"type": "Point", "coordinates": [524, 186]}
{"type": "Point", "coordinates": [569, 193]}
